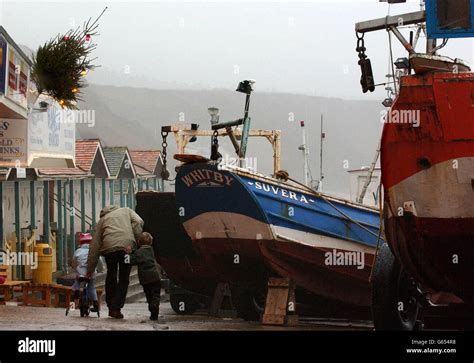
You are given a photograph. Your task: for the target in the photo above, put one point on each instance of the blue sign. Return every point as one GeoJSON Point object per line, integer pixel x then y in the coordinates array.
{"type": "Point", "coordinates": [450, 18]}
{"type": "Point", "coordinates": [3, 63]}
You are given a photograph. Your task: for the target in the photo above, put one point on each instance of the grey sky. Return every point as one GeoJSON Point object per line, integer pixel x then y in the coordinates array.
{"type": "Point", "coordinates": [288, 46]}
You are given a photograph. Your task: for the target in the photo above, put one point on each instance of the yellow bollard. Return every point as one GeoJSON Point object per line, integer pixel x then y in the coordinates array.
{"type": "Point", "coordinates": [43, 274]}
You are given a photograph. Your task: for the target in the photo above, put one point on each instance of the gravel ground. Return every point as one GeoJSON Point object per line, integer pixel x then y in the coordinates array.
{"type": "Point", "coordinates": [136, 318]}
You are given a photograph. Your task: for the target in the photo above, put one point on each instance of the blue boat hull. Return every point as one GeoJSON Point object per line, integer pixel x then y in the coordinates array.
{"type": "Point", "coordinates": [248, 227]}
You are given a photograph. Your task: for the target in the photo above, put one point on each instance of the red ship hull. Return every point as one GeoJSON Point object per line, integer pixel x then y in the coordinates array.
{"type": "Point", "coordinates": [239, 261]}
{"type": "Point", "coordinates": [307, 265]}
{"type": "Point", "coordinates": [428, 179]}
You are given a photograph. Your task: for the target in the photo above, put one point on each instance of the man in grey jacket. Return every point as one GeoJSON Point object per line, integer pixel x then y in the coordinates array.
{"type": "Point", "coordinates": [117, 229]}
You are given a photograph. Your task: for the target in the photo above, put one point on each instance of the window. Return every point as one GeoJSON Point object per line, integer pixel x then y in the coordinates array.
{"type": "Point", "coordinates": [454, 14]}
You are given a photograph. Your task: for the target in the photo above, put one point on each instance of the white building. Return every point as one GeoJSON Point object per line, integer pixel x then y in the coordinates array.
{"type": "Point", "coordinates": [358, 178]}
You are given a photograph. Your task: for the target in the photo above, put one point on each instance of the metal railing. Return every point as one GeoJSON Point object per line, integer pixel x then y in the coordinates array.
{"type": "Point", "coordinates": [77, 212]}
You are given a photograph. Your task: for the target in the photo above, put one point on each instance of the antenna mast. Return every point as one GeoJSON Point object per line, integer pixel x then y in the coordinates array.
{"type": "Point", "coordinates": [304, 148]}
{"type": "Point", "coordinates": [321, 176]}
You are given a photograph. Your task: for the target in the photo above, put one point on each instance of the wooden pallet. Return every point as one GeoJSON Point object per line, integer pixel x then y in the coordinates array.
{"type": "Point", "coordinates": [49, 295]}
{"type": "Point", "coordinates": [61, 291]}
{"type": "Point", "coordinates": [7, 289]}
{"type": "Point", "coordinates": [31, 292]}
{"type": "Point", "coordinates": [221, 304]}
{"type": "Point", "coordinates": [280, 306]}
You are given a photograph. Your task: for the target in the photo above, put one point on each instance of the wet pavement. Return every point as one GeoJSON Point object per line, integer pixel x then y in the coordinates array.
{"type": "Point", "coordinates": [14, 317]}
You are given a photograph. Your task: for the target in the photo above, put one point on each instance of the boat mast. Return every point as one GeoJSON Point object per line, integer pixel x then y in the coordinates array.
{"type": "Point", "coordinates": [304, 148]}
{"type": "Point", "coordinates": [321, 176]}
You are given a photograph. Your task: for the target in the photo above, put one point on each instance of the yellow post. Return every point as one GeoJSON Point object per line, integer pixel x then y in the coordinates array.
{"type": "Point", "coordinates": [53, 242]}
{"type": "Point", "coordinates": [276, 152]}
{"type": "Point", "coordinates": [29, 247]}
{"type": "Point", "coordinates": [10, 246]}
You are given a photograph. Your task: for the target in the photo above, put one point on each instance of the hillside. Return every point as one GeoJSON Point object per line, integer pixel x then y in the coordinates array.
{"type": "Point", "coordinates": [134, 116]}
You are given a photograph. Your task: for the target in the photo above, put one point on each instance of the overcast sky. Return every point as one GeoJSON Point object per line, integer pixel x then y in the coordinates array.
{"type": "Point", "coordinates": [287, 46]}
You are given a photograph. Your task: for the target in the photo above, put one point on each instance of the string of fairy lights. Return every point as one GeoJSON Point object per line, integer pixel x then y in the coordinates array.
{"type": "Point", "coordinates": [60, 64]}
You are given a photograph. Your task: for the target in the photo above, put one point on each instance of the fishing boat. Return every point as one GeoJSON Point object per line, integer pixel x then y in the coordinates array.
{"type": "Point", "coordinates": [427, 166]}
{"type": "Point", "coordinates": [239, 220]}
{"type": "Point", "coordinates": [248, 226]}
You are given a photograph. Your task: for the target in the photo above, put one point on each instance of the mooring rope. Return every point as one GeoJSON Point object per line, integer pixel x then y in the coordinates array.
{"type": "Point", "coordinates": [377, 249]}
{"type": "Point", "coordinates": [337, 209]}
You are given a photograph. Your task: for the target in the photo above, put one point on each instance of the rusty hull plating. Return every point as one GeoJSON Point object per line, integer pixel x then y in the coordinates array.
{"type": "Point", "coordinates": [427, 161]}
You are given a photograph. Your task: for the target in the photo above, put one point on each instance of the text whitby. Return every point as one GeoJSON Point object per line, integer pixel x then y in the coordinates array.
{"type": "Point", "coordinates": [279, 191]}
{"type": "Point", "coordinates": [206, 177]}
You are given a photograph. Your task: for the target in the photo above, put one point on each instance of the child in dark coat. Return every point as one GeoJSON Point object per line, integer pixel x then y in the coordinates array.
{"type": "Point", "coordinates": [148, 272]}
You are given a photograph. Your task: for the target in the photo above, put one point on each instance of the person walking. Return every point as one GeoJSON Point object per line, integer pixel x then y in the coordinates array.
{"type": "Point", "coordinates": [117, 229]}
{"type": "Point", "coordinates": [148, 272]}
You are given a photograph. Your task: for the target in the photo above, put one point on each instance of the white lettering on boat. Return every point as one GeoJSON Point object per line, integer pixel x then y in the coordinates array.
{"type": "Point", "coordinates": [280, 191]}
{"type": "Point", "coordinates": [206, 177]}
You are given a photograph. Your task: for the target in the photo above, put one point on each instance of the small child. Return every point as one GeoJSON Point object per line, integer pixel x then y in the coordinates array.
{"type": "Point", "coordinates": [148, 272]}
{"type": "Point", "coordinates": [79, 263]}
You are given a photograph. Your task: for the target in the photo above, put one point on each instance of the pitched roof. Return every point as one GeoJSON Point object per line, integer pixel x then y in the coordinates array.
{"type": "Point", "coordinates": [145, 161]}
{"type": "Point", "coordinates": [115, 157]}
{"type": "Point", "coordinates": [86, 151]}
{"type": "Point", "coordinates": [60, 172]}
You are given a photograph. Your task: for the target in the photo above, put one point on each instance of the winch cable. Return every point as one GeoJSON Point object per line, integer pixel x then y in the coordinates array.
{"type": "Point", "coordinates": [377, 249]}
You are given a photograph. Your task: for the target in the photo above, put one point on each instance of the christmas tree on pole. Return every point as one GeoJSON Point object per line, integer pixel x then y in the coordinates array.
{"type": "Point", "coordinates": [59, 66]}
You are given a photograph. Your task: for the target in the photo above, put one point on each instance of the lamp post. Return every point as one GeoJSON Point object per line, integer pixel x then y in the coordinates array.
{"type": "Point", "coordinates": [245, 87]}
{"type": "Point", "coordinates": [214, 113]}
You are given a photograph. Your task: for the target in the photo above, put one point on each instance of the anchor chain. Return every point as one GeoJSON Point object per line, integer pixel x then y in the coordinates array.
{"type": "Point", "coordinates": [215, 154]}
{"type": "Point", "coordinates": [361, 46]}
{"type": "Point", "coordinates": [165, 174]}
